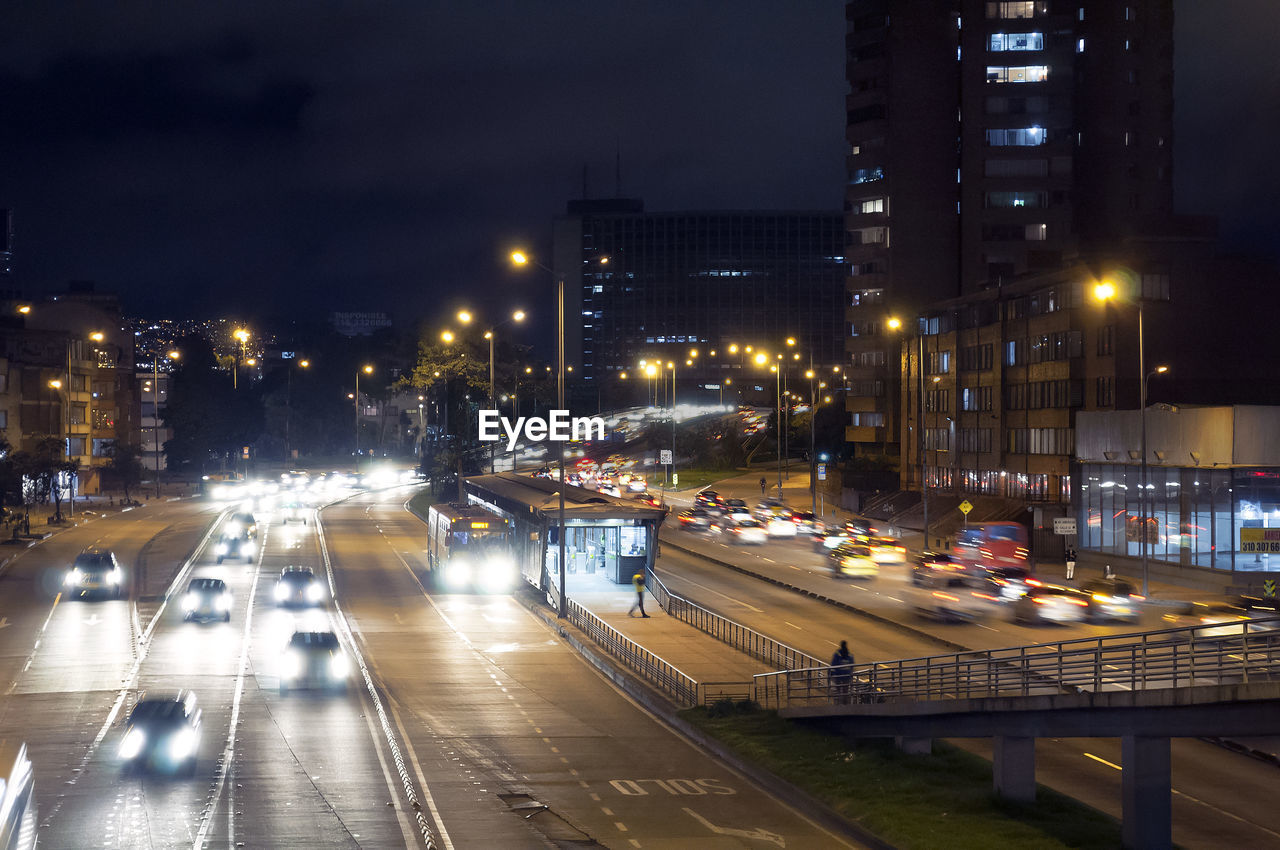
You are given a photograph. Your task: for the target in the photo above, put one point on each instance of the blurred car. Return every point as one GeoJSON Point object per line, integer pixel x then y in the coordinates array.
{"type": "Point", "coordinates": [807, 523]}
{"type": "Point", "coordinates": [706, 499]}
{"type": "Point", "coordinates": [953, 596]}
{"type": "Point", "coordinates": [853, 560]}
{"type": "Point", "coordinates": [927, 564]}
{"type": "Point", "coordinates": [1260, 606]}
{"type": "Point", "coordinates": [736, 510]}
{"type": "Point", "coordinates": [637, 484]}
{"type": "Point", "coordinates": [1012, 582]}
{"type": "Point", "coordinates": [780, 527]}
{"type": "Point", "coordinates": [95, 572]}
{"type": "Point", "coordinates": [237, 546]}
{"type": "Point", "coordinates": [748, 531]}
{"type": "Point", "coordinates": [18, 810]}
{"type": "Point", "coordinates": [831, 538]}
{"type": "Point", "coordinates": [887, 550]}
{"type": "Point", "coordinates": [293, 511]}
{"type": "Point", "coordinates": [162, 734]}
{"type": "Point", "coordinates": [770, 508]}
{"type": "Point", "coordinates": [1047, 603]}
{"type": "Point", "coordinates": [314, 660]}
{"type": "Point", "coordinates": [609, 489]}
{"type": "Point", "coordinates": [1112, 600]}
{"type": "Point", "coordinates": [1216, 619]}
{"type": "Point", "coordinates": [206, 599]}
{"type": "Point", "coordinates": [695, 519]}
{"type": "Point", "coordinates": [648, 499]}
{"type": "Point", "coordinates": [298, 586]}
{"type": "Point", "coordinates": [241, 524]}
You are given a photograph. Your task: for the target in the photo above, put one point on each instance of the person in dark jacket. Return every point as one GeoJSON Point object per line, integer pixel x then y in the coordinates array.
{"type": "Point", "coordinates": [841, 672]}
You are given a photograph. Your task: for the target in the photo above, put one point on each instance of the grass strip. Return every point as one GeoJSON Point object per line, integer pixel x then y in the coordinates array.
{"type": "Point", "coordinates": [915, 802]}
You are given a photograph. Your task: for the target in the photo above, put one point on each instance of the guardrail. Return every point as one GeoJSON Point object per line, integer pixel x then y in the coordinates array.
{"type": "Point", "coordinates": [666, 677]}
{"type": "Point", "coordinates": [1242, 652]}
{"type": "Point", "coordinates": [736, 635]}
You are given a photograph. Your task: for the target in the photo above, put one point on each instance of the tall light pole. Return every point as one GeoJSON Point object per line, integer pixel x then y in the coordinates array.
{"type": "Point", "coordinates": [288, 404]}
{"type": "Point", "coordinates": [243, 336]}
{"type": "Point", "coordinates": [368, 370]}
{"type": "Point", "coordinates": [1104, 292]}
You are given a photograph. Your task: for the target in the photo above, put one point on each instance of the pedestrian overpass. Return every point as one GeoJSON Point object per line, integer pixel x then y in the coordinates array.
{"type": "Point", "coordinates": [1199, 681]}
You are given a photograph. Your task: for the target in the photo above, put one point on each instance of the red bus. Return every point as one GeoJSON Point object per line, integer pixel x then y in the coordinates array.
{"type": "Point", "coordinates": [994, 544]}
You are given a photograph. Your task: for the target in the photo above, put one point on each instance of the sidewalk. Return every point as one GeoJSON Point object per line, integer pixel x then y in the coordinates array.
{"type": "Point", "coordinates": [698, 655]}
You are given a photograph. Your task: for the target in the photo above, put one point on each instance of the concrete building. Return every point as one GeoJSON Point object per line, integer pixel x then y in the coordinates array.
{"type": "Point", "coordinates": [681, 280]}
{"type": "Point", "coordinates": [988, 140]}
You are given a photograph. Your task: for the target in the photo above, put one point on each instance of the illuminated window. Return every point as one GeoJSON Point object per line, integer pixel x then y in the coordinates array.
{"type": "Point", "coordinates": [1017, 137]}
{"type": "Point", "coordinates": [874, 205]}
{"type": "Point", "coordinates": [1009, 200]}
{"type": "Point", "coordinates": [866, 175]}
{"type": "Point", "coordinates": [1016, 41]}
{"type": "Point", "coordinates": [1016, 9]}
{"type": "Point", "coordinates": [1017, 73]}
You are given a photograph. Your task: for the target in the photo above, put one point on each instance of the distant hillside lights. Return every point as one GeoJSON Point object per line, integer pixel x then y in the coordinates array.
{"type": "Point", "coordinates": [559, 427]}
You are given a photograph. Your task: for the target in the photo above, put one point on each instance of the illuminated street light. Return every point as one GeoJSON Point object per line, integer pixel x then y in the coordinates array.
{"type": "Point", "coordinates": [368, 370]}
{"type": "Point", "coordinates": [464, 316]}
{"type": "Point", "coordinates": [446, 336]}
{"type": "Point", "coordinates": [894, 323]}
{"type": "Point", "coordinates": [97, 336]}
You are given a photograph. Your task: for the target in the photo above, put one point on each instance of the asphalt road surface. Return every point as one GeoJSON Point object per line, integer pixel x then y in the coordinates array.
{"type": "Point", "coordinates": [465, 723]}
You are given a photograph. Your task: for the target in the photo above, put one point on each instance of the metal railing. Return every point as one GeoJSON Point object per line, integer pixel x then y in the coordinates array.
{"type": "Point", "coordinates": [1193, 655]}
{"type": "Point", "coordinates": [666, 677]}
{"type": "Point", "coordinates": [736, 635]}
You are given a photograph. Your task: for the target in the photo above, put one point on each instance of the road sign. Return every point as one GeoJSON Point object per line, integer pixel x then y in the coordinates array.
{"type": "Point", "coordinates": [965, 507]}
{"type": "Point", "coordinates": [1268, 590]}
{"type": "Point", "coordinates": [664, 457]}
{"type": "Point", "coordinates": [822, 472]}
{"type": "Point", "coordinates": [1064, 525]}
{"type": "Point", "coordinates": [245, 452]}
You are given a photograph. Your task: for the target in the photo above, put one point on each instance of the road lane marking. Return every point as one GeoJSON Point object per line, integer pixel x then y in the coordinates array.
{"type": "Point", "coordinates": [229, 751]}
{"type": "Point", "coordinates": [1102, 761]}
{"type": "Point", "coordinates": [718, 593]}
{"type": "Point", "coordinates": [793, 625]}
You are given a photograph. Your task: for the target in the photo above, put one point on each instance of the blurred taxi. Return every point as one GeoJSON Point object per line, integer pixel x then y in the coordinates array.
{"type": "Point", "coordinates": [1112, 600]}
{"type": "Point", "coordinates": [1047, 603]}
{"type": "Point", "coordinates": [748, 532]}
{"type": "Point", "coordinates": [887, 550]}
{"type": "Point", "coordinates": [853, 560]}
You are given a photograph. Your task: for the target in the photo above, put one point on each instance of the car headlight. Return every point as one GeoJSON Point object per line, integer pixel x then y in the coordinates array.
{"type": "Point", "coordinates": [114, 576]}
{"type": "Point", "coordinates": [281, 591]}
{"type": "Point", "coordinates": [314, 592]}
{"type": "Point", "coordinates": [189, 602]}
{"type": "Point", "coordinates": [232, 529]}
{"type": "Point", "coordinates": [291, 665]}
{"type": "Point", "coordinates": [183, 744]}
{"type": "Point", "coordinates": [223, 602]}
{"type": "Point", "coordinates": [220, 549]}
{"type": "Point", "coordinates": [132, 743]}
{"type": "Point", "coordinates": [246, 548]}
{"type": "Point", "coordinates": [74, 576]}
{"type": "Point", "coordinates": [339, 666]}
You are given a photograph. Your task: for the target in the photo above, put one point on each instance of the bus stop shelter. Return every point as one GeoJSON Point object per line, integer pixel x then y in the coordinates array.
{"type": "Point", "coordinates": [612, 537]}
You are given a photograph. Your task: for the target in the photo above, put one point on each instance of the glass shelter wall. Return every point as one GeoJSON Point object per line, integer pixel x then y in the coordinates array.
{"type": "Point", "coordinates": [1194, 516]}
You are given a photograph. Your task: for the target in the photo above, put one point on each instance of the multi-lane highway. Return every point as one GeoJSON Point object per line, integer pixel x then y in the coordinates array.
{"type": "Point", "coordinates": [466, 722]}
{"type": "Point", "coordinates": [1220, 798]}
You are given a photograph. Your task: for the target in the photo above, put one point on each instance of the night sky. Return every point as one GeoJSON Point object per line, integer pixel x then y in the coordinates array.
{"type": "Point", "coordinates": [256, 158]}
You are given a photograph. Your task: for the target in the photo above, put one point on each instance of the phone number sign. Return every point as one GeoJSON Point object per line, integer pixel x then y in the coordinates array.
{"type": "Point", "coordinates": [1260, 540]}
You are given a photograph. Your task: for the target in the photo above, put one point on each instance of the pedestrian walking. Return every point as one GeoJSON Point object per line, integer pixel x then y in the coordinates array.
{"type": "Point", "coordinates": [1071, 563]}
{"type": "Point", "coordinates": [637, 581]}
{"type": "Point", "coordinates": [1106, 573]}
{"type": "Point", "coordinates": [841, 673]}
{"type": "Point", "coordinates": [764, 486]}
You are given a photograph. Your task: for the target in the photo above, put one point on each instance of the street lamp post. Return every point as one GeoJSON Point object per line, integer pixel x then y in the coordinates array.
{"type": "Point", "coordinates": [368, 370]}
{"type": "Point", "coordinates": [518, 316]}
{"type": "Point", "coordinates": [288, 404]}
{"type": "Point", "coordinates": [243, 336]}
{"type": "Point", "coordinates": [1105, 292]}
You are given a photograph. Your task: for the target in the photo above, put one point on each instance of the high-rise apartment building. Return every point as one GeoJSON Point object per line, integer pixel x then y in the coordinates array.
{"type": "Point", "coordinates": [989, 139]}
{"type": "Point", "coordinates": [681, 280]}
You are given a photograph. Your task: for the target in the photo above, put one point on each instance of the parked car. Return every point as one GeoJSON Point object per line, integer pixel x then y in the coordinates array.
{"type": "Point", "coordinates": [1047, 603]}
{"type": "Point", "coordinates": [853, 560]}
{"type": "Point", "coordinates": [1112, 600]}
{"type": "Point", "coordinates": [748, 531]}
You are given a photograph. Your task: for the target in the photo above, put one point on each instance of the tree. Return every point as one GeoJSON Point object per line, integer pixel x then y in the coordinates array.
{"type": "Point", "coordinates": [124, 466]}
{"type": "Point", "coordinates": [209, 418]}
{"type": "Point", "coordinates": [42, 471]}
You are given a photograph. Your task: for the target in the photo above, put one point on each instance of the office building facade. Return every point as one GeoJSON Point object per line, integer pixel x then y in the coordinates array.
{"type": "Point", "coordinates": [677, 281]}
{"type": "Point", "coordinates": [991, 139]}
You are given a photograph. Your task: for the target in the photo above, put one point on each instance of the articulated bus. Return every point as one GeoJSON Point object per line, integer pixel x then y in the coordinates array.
{"type": "Point", "coordinates": [469, 550]}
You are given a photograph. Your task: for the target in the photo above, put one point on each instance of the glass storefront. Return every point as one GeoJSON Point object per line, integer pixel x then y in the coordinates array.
{"type": "Point", "coordinates": [1194, 515]}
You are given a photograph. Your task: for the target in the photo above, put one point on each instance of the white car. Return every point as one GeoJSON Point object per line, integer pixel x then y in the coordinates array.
{"type": "Point", "coordinates": [748, 532]}
{"type": "Point", "coordinates": [779, 527]}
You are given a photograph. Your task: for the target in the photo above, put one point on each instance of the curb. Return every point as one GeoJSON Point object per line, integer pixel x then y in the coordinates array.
{"type": "Point", "coordinates": [661, 708]}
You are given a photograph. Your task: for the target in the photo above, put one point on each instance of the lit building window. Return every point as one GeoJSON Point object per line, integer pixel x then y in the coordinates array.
{"type": "Point", "coordinates": [1017, 73]}
{"type": "Point", "coordinates": [1016, 41]}
{"type": "Point", "coordinates": [1017, 137]}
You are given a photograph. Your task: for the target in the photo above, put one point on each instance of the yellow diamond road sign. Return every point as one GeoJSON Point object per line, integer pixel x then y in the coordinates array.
{"type": "Point", "coordinates": [965, 507]}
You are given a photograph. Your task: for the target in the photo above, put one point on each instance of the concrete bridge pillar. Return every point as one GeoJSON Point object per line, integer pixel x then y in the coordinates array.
{"type": "Point", "coordinates": [914, 746]}
{"type": "Point", "coordinates": [1147, 796]}
{"type": "Point", "coordinates": [1014, 768]}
